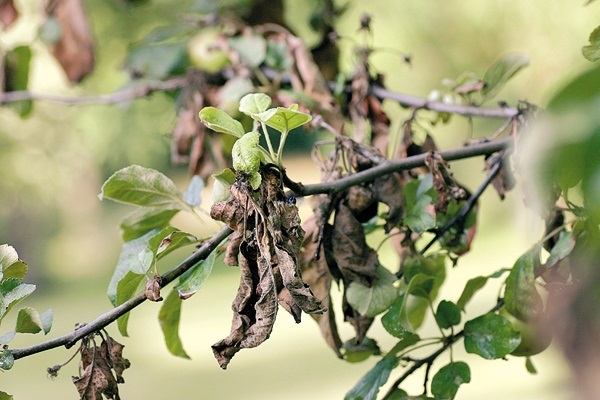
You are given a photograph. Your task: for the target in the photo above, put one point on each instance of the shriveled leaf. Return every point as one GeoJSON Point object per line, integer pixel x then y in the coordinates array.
{"type": "Point", "coordinates": [144, 187]}
{"type": "Point", "coordinates": [592, 51]}
{"type": "Point", "coordinates": [12, 291]}
{"type": "Point", "coordinates": [220, 121]}
{"type": "Point", "coordinates": [501, 72]}
{"type": "Point", "coordinates": [6, 360]}
{"type": "Point", "coordinates": [374, 300]}
{"type": "Point", "coordinates": [521, 297]}
{"type": "Point", "coordinates": [358, 351]}
{"type": "Point", "coordinates": [246, 154]}
{"type": "Point", "coordinates": [192, 280]}
{"type": "Point", "coordinates": [75, 49]}
{"type": "Point", "coordinates": [474, 285]}
{"type": "Point", "coordinates": [193, 192]}
{"type": "Point", "coordinates": [368, 386]}
{"type": "Point", "coordinates": [136, 258]}
{"type": "Point", "coordinates": [447, 314]}
{"type": "Point", "coordinates": [8, 15]}
{"type": "Point", "coordinates": [172, 241]}
{"type": "Point", "coordinates": [491, 336]}
{"type": "Point", "coordinates": [143, 220]}
{"type": "Point", "coordinates": [284, 119]}
{"type": "Point", "coordinates": [251, 48]}
{"type": "Point", "coordinates": [221, 186]}
{"type": "Point", "coordinates": [254, 103]}
{"type": "Point", "coordinates": [169, 318]}
{"type": "Point", "coordinates": [447, 380]}
{"type": "Point", "coordinates": [157, 60]}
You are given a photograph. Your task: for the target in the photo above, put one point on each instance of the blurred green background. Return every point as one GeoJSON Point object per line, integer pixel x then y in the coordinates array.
{"type": "Point", "coordinates": [53, 164]}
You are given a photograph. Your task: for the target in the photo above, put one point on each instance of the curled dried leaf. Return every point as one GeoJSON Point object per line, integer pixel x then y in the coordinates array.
{"type": "Point", "coordinates": [152, 289]}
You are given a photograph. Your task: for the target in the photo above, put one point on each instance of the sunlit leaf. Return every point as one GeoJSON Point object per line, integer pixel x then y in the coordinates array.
{"type": "Point", "coordinates": [371, 301]}
{"type": "Point", "coordinates": [521, 297]}
{"type": "Point", "coordinates": [246, 154]}
{"type": "Point", "coordinates": [491, 336]}
{"type": "Point", "coordinates": [284, 119]}
{"type": "Point", "coordinates": [6, 359]}
{"type": "Point", "coordinates": [219, 121]}
{"type": "Point", "coordinates": [221, 186]}
{"type": "Point", "coordinates": [144, 220]}
{"type": "Point", "coordinates": [145, 187]}
{"type": "Point", "coordinates": [368, 386]}
{"type": "Point", "coordinates": [447, 314]}
{"type": "Point", "coordinates": [447, 380]}
{"type": "Point", "coordinates": [12, 291]}
{"type": "Point", "coordinates": [592, 51]}
{"type": "Point", "coordinates": [193, 279]}
{"type": "Point", "coordinates": [28, 321]}
{"type": "Point", "coordinates": [169, 317]}
{"type": "Point", "coordinates": [254, 103]}
{"type": "Point", "coordinates": [8, 256]}
{"type": "Point", "coordinates": [501, 72]}
{"type": "Point", "coordinates": [193, 193]}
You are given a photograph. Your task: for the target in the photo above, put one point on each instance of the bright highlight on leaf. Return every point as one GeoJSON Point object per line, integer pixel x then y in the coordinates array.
{"type": "Point", "coordinates": [220, 121]}
{"type": "Point", "coordinates": [491, 336]}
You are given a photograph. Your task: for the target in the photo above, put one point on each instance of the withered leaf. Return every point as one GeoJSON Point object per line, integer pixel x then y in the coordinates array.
{"type": "Point", "coordinates": [8, 13]}
{"type": "Point", "coordinates": [97, 378]}
{"type": "Point", "coordinates": [504, 179]}
{"type": "Point", "coordinates": [114, 350]}
{"type": "Point", "coordinates": [75, 49]}
{"type": "Point", "coordinates": [360, 323]}
{"type": "Point", "coordinates": [443, 182]}
{"type": "Point", "coordinates": [356, 259]}
{"type": "Point", "coordinates": [152, 289]}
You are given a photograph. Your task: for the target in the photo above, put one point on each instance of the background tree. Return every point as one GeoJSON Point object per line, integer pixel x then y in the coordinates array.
{"type": "Point", "coordinates": [210, 57]}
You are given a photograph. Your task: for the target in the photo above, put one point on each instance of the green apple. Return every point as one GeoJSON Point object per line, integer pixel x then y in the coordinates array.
{"type": "Point", "coordinates": [204, 51]}
{"type": "Point", "coordinates": [533, 339]}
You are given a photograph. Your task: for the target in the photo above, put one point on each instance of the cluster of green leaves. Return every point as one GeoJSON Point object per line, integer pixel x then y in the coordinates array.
{"type": "Point", "coordinates": [12, 291]}
{"type": "Point", "coordinates": [247, 153]}
{"type": "Point", "coordinates": [148, 237]}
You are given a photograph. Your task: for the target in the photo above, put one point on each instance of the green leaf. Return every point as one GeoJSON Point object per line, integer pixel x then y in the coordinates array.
{"type": "Point", "coordinates": [418, 203]}
{"type": "Point", "coordinates": [221, 187]}
{"type": "Point", "coordinates": [169, 316]}
{"type": "Point", "coordinates": [144, 187]}
{"type": "Point", "coordinates": [592, 52]}
{"type": "Point", "coordinates": [6, 360]}
{"type": "Point", "coordinates": [521, 297]}
{"type": "Point", "coordinates": [447, 380]}
{"type": "Point", "coordinates": [474, 285]}
{"type": "Point", "coordinates": [193, 193]}
{"type": "Point", "coordinates": [277, 56]}
{"type": "Point", "coordinates": [47, 318]}
{"type": "Point", "coordinates": [6, 338]}
{"type": "Point", "coordinates": [561, 249]}
{"type": "Point", "coordinates": [8, 256]}
{"type": "Point", "coordinates": [491, 336]}
{"type": "Point", "coordinates": [12, 291]}
{"type": "Point", "coordinates": [16, 270]}
{"type": "Point", "coordinates": [220, 121]}
{"type": "Point", "coordinates": [144, 220]}
{"type": "Point", "coordinates": [193, 279]}
{"type": "Point", "coordinates": [355, 352]}
{"type": "Point", "coordinates": [284, 119]}
{"type": "Point", "coordinates": [368, 386]}
{"type": "Point", "coordinates": [371, 301]}
{"type": "Point", "coordinates": [16, 68]}
{"type": "Point", "coordinates": [5, 396]}
{"type": "Point", "coordinates": [407, 339]}
{"type": "Point", "coordinates": [501, 72]}
{"type": "Point", "coordinates": [447, 314]}
{"type": "Point", "coordinates": [396, 321]}
{"type": "Point", "coordinates": [28, 321]}
{"type": "Point", "coordinates": [246, 154]}
{"type": "Point", "coordinates": [254, 103]}
{"type": "Point", "coordinates": [251, 48]}
{"type": "Point", "coordinates": [529, 366]}
{"type": "Point", "coordinates": [157, 60]}
{"type": "Point", "coordinates": [135, 257]}
{"type": "Point", "coordinates": [126, 289]}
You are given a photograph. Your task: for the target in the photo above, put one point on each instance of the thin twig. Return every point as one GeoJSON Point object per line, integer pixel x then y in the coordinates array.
{"type": "Point", "coordinates": [107, 318]}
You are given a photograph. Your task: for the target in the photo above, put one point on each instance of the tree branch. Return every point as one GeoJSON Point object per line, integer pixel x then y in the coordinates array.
{"type": "Point", "coordinates": [107, 318]}
{"type": "Point", "coordinates": [388, 167]}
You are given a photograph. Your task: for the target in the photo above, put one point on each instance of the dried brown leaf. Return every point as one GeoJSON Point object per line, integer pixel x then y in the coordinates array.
{"type": "Point", "coordinates": [360, 323]}
{"type": "Point", "coordinates": [356, 259]}
{"type": "Point", "coordinates": [152, 289]}
{"type": "Point", "coordinates": [443, 182]}
{"type": "Point", "coordinates": [97, 378]}
{"type": "Point", "coordinates": [119, 364]}
{"type": "Point", "coordinates": [8, 13]}
{"type": "Point", "coordinates": [75, 49]}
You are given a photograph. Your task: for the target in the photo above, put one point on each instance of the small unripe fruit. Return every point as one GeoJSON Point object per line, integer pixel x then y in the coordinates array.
{"type": "Point", "coordinates": [204, 51]}
{"type": "Point", "coordinates": [534, 340]}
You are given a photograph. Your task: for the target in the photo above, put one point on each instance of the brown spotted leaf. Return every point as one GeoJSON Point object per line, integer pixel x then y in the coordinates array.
{"type": "Point", "coordinates": [75, 49]}
{"type": "Point", "coordinates": [119, 364]}
{"type": "Point", "coordinates": [97, 378]}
